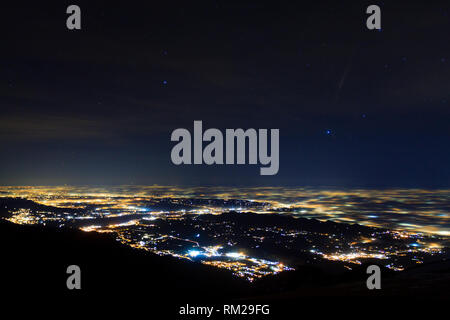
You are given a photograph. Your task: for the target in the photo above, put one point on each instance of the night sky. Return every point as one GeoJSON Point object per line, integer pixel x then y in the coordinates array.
{"type": "Point", "coordinates": [355, 107]}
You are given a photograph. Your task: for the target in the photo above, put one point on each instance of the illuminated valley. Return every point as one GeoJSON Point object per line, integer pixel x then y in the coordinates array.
{"type": "Point", "coordinates": [253, 232]}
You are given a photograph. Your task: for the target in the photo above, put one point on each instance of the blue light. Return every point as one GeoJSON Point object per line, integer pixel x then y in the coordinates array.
{"type": "Point", "coordinates": [194, 253]}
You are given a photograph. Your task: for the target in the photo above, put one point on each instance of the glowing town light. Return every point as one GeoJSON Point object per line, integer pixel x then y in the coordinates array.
{"type": "Point", "coordinates": [235, 255]}
{"type": "Point", "coordinates": [212, 251]}
{"type": "Point", "coordinates": [194, 253]}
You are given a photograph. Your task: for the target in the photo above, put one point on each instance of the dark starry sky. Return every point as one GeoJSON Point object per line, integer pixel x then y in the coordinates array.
{"type": "Point", "coordinates": [355, 107]}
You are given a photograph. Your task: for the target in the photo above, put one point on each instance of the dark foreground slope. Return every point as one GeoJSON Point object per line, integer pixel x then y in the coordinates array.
{"type": "Point", "coordinates": [35, 258]}
{"type": "Point", "coordinates": [115, 277]}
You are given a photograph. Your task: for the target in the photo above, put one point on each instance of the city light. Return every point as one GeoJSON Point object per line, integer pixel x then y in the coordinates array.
{"type": "Point", "coordinates": [207, 229]}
